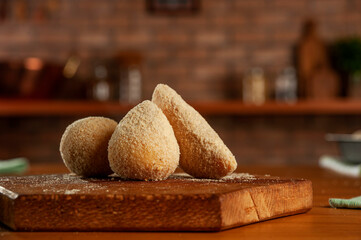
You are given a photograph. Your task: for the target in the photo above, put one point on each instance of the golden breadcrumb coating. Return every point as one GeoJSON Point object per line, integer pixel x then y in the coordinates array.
{"type": "Point", "coordinates": [143, 145]}
{"type": "Point", "coordinates": [203, 153]}
{"type": "Point", "coordinates": [84, 144]}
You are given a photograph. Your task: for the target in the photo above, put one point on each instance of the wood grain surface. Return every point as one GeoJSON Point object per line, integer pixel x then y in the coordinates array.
{"type": "Point", "coordinates": [66, 202]}
{"type": "Point", "coordinates": [321, 222]}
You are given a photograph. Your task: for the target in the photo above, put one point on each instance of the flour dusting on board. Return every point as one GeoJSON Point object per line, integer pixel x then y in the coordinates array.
{"type": "Point", "coordinates": [52, 184]}
{"type": "Point", "coordinates": [71, 184]}
{"type": "Point", "coordinates": [234, 177]}
{"type": "Point", "coordinates": [72, 191]}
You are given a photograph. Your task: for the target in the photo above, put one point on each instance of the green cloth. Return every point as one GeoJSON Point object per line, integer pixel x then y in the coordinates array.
{"type": "Point", "coordinates": [345, 203]}
{"type": "Point", "coordinates": [15, 165]}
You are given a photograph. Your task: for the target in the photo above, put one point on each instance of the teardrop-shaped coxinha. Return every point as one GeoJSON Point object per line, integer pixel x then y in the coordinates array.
{"type": "Point", "coordinates": [143, 145]}
{"type": "Point", "coordinates": [203, 153]}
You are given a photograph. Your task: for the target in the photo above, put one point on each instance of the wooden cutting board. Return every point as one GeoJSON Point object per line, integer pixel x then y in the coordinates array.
{"type": "Point", "coordinates": [66, 202]}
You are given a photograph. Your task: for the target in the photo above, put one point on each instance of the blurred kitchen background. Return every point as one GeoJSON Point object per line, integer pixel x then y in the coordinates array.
{"type": "Point", "coordinates": [271, 76]}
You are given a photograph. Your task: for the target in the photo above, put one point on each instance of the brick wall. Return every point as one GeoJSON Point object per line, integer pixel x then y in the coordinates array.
{"type": "Point", "coordinates": [198, 55]}
{"type": "Point", "coordinates": [253, 140]}
{"type": "Point", "coordinates": [201, 56]}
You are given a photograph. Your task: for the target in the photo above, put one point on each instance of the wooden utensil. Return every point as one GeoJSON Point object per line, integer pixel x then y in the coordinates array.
{"type": "Point", "coordinates": [317, 80]}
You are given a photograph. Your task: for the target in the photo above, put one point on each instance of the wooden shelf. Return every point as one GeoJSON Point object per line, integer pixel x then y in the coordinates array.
{"type": "Point", "coordinates": [67, 108]}
{"type": "Point", "coordinates": [331, 107]}
{"type": "Point", "coordinates": [60, 108]}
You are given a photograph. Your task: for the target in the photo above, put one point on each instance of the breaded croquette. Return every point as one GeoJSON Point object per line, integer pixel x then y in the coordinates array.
{"type": "Point", "coordinates": [83, 146]}
{"type": "Point", "coordinates": [202, 152]}
{"type": "Point", "coordinates": [143, 145]}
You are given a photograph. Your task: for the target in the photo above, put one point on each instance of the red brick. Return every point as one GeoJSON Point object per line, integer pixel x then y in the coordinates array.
{"type": "Point", "coordinates": [224, 38]}
{"type": "Point", "coordinates": [272, 56]}
{"type": "Point", "coordinates": [290, 37]}
{"type": "Point", "coordinates": [132, 39]}
{"type": "Point", "coordinates": [216, 7]}
{"type": "Point", "coordinates": [209, 71]}
{"type": "Point", "coordinates": [289, 5]}
{"type": "Point", "coordinates": [154, 22]}
{"type": "Point", "coordinates": [241, 67]}
{"type": "Point", "coordinates": [136, 5]}
{"type": "Point", "coordinates": [172, 38]}
{"type": "Point", "coordinates": [53, 36]}
{"type": "Point", "coordinates": [158, 54]}
{"type": "Point", "coordinates": [91, 9]}
{"type": "Point", "coordinates": [170, 70]}
{"type": "Point", "coordinates": [293, 143]}
{"type": "Point", "coordinates": [82, 22]}
{"type": "Point", "coordinates": [194, 23]}
{"type": "Point", "coordinates": [250, 37]}
{"type": "Point", "coordinates": [17, 37]}
{"type": "Point", "coordinates": [119, 22]}
{"type": "Point", "coordinates": [189, 54]}
{"type": "Point", "coordinates": [236, 53]}
{"type": "Point", "coordinates": [210, 38]}
{"type": "Point", "coordinates": [328, 6]}
{"type": "Point", "coordinates": [213, 4]}
{"type": "Point", "coordinates": [93, 39]}
{"type": "Point", "coordinates": [234, 21]}
{"type": "Point", "coordinates": [245, 5]}
{"type": "Point", "coordinates": [199, 90]}
{"type": "Point", "coordinates": [271, 19]}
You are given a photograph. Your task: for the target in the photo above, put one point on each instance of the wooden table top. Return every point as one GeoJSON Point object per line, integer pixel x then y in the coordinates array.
{"type": "Point", "coordinates": [322, 222]}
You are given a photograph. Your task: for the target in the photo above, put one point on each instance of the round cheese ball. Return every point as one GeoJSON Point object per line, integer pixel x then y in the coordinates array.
{"type": "Point", "coordinates": [143, 145]}
{"type": "Point", "coordinates": [83, 146]}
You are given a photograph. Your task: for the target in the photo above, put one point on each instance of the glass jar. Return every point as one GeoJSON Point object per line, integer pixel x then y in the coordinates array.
{"type": "Point", "coordinates": [101, 86]}
{"type": "Point", "coordinates": [286, 86]}
{"type": "Point", "coordinates": [254, 87]}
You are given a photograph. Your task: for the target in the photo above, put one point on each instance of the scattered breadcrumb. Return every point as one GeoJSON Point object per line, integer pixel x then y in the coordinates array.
{"type": "Point", "coordinates": [229, 178]}
{"type": "Point", "coordinates": [72, 191]}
